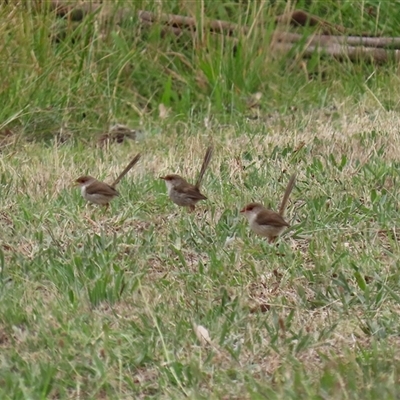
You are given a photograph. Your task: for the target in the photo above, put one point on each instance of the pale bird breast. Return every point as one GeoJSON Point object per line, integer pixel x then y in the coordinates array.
{"type": "Point", "coordinates": [85, 195]}
{"type": "Point", "coordinates": [251, 217]}
{"type": "Point", "coordinates": [266, 230]}
{"type": "Point", "coordinates": [169, 187]}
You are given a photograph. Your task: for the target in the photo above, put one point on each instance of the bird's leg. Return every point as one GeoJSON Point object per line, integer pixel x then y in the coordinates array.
{"type": "Point", "coordinates": [106, 206]}
{"type": "Point", "coordinates": [192, 208]}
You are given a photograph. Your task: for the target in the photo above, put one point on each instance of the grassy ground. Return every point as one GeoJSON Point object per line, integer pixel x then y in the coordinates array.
{"type": "Point", "coordinates": [106, 305]}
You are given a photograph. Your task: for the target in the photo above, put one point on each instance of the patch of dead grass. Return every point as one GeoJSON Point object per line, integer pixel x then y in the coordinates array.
{"type": "Point", "coordinates": [272, 291]}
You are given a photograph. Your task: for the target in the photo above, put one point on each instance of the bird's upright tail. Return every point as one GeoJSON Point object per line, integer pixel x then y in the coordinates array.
{"type": "Point", "coordinates": [207, 159]}
{"type": "Point", "coordinates": [288, 190]}
{"type": "Point", "coordinates": [126, 170]}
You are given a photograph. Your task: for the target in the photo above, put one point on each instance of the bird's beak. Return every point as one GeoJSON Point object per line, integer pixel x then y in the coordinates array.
{"type": "Point", "coordinates": [162, 177]}
{"type": "Point", "coordinates": [243, 210]}
{"type": "Point", "coordinates": [76, 183]}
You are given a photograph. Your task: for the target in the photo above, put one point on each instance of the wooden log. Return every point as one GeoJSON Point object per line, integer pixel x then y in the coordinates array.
{"type": "Point", "coordinates": [338, 46]}
{"type": "Point", "coordinates": [376, 42]}
{"type": "Point", "coordinates": [352, 53]}
{"type": "Point", "coordinates": [303, 18]}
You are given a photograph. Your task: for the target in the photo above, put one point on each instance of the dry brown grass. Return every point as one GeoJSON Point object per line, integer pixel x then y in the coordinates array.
{"type": "Point", "coordinates": [279, 296]}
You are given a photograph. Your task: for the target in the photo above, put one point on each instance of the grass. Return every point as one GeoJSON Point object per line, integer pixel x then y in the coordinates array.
{"type": "Point", "coordinates": [104, 305]}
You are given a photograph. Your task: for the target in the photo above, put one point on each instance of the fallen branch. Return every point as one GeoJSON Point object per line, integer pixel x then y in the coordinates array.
{"type": "Point", "coordinates": [352, 53]}
{"type": "Point", "coordinates": [375, 42]}
{"type": "Point", "coordinates": [296, 18]}
{"type": "Point", "coordinates": [378, 49]}
{"type": "Point", "coordinates": [302, 18]}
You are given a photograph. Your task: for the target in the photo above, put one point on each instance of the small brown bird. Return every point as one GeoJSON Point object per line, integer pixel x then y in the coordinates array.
{"type": "Point", "coordinates": [183, 193]}
{"type": "Point", "coordinates": [268, 223]}
{"type": "Point", "coordinates": [101, 193]}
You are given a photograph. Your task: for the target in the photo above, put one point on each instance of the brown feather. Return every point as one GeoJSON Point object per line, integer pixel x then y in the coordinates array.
{"type": "Point", "coordinates": [268, 217]}
{"type": "Point", "coordinates": [190, 191]}
{"type": "Point", "coordinates": [101, 188]}
{"type": "Point", "coordinates": [288, 190]}
{"type": "Point", "coordinates": [126, 170]}
{"type": "Point", "coordinates": [206, 161]}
